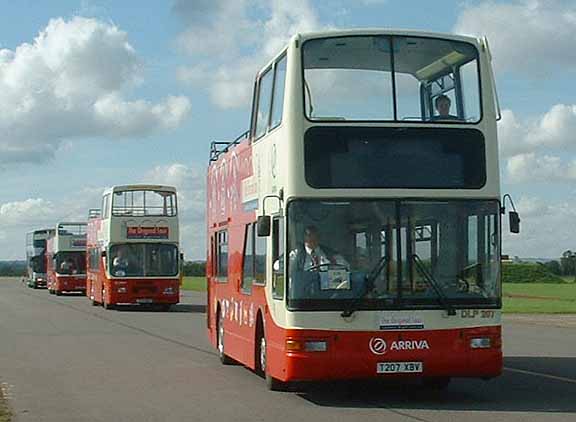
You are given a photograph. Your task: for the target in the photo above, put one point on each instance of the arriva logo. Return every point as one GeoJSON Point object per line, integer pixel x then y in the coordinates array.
{"type": "Point", "coordinates": [378, 345]}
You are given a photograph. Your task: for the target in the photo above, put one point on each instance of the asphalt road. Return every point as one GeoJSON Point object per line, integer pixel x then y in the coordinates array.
{"type": "Point", "coordinates": [63, 360]}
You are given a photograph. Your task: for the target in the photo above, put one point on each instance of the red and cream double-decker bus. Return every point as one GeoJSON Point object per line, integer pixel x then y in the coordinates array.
{"type": "Point", "coordinates": [133, 256]}
{"type": "Point", "coordinates": [354, 230]}
{"type": "Point", "coordinates": [66, 258]}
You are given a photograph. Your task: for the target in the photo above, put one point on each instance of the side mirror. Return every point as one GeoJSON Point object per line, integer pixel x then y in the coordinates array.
{"type": "Point", "coordinates": [263, 226]}
{"type": "Point", "coordinates": [514, 222]}
{"type": "Point", "coordinates": [181, 256]}
{"type": "Point", "coordinates": [103, 254]}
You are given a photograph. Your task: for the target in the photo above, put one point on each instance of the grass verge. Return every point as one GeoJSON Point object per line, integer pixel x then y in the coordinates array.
{"type": "Point", "coordinates": [529, 298]}
{"type": "Point", "coordinates": [197, 284]}
{"type": "Point", "coordinates": [5, 415]}
{"type": "Point", "coordinates": [539, 298]}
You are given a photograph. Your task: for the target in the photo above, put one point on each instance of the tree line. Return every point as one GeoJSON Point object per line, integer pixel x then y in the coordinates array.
{"type": "Point", "coordinates": [565, 266]}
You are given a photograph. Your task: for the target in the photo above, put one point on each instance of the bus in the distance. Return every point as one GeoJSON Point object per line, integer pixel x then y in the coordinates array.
{"type": "Point", "coordinates": [133, 248]}
{"type": "Point", "coordinates": [66, 258]}
{"type": "Point", "coordinates": [354, 231]}
{"type": "Point", "coordinates": [36, 258]}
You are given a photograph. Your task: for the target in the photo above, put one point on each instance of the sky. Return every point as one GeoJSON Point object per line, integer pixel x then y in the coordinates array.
{"type": "Point", "coordinates": [96, 93]}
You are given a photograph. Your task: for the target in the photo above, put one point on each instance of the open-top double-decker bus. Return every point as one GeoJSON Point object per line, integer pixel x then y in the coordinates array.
{"type": "Point", "coordinates": [36, 257]}
{"type": "Point", "coordinates": [133, 256]}
{"type": "Point", "coordinates": [354, 230]}
{"type": "Point", "coordinates": [66, 258]}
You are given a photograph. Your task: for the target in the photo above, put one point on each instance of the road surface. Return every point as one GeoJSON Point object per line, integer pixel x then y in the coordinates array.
{"type": "Point", "coordinates": [62, 359]}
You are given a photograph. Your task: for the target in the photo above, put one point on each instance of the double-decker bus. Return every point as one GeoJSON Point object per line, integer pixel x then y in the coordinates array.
{"type": "Point", "coordinates": [132, 247]}
{"type": "Point", "coordinates": [66, 258]}
{"type": "Point", "coordinates": [36, 257]}
{"type": "Point", "coordinates": [354, 230]}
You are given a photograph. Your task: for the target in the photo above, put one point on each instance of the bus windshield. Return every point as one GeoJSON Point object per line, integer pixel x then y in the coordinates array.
{"type": "Point", "coordinates": [143, 260]}
{"type": "Point", "coordinates": [385, 78]}
{"type": "Point", "coordinates": [70, 263]}
{"type": "Point", "coordinates": [393, 254]}
{"type": "Point", "coordinates": [142, 203]}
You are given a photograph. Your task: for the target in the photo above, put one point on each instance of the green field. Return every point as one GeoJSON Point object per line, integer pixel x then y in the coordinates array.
{"type": "Point", "coordinates": [545, 298]}
{"type": "Point", "coordinates": [197, 284]}
{"type": "Point", "coordinates": [539, 298]}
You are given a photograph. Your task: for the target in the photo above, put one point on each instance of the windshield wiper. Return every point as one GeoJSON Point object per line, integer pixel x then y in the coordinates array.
{"type": "Point", "coordinates": [369, 279]}
{"type": "Point", "coordinates": [434, 284]}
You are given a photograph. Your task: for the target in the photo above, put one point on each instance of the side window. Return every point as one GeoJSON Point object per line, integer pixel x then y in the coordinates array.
{"type": "Point", "coordinates": [248, 266]}
{"type": "Point", "coordinates": [264, 99]}
{"type": "Point", "coordinates": [222, 255]}
{"type": "Point", "coordinates": [278, 258]}
{"type": "Point", "coordinates": [105, 204]}
{"type": "Point", "coordinates": [259, 258]}
{"type": "Point", "coordinates": [278, 97]}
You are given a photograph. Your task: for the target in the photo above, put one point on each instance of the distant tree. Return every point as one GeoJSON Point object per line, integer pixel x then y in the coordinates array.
{"type": "Point", "coordinates": [554, 267]}
{"type": "Point", "coordinates": [194, 269]}
{"type": "Point", "coordinates": [568, 263]}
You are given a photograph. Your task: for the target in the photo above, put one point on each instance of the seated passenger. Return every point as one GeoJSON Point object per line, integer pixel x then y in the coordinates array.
{"type": "Point", "coordinates": [443, 103]}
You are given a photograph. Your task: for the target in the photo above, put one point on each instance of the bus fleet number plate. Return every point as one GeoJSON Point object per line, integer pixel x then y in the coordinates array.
{"type": "Point", "coordinates": [399, 367]}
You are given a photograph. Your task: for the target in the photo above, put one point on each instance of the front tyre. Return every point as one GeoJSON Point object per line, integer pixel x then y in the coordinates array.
{"type": "Point", "coordinates": [224, 359]}
{"type": "Point", "coordinates": [273, 384]}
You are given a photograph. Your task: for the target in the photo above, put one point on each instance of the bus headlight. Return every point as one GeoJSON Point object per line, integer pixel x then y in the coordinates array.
{"type": "Point", "coordinates": [293, 345]}
{"type": "Point", "coordinates": [169, 291]}
{"type": "Point", "coordinates": [121, 290]}
{"type": "Point", "coordinates": [315, 346]}
{"type": "Point", "coordinates": [480, 343]}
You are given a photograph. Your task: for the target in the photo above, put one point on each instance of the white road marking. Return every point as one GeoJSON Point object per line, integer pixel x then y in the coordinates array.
{"type": "Point", "coordinates": [539, 374]}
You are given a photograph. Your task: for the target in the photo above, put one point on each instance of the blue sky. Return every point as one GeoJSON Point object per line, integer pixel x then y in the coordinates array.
{"type": "Point", "coordinates": [182, 70]}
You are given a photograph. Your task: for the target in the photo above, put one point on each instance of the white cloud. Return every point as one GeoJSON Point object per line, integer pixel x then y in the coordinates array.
{"type": "Point", "coordinates": [540, 168]}
{"type": "Point", "coordinates": [26, 212]}
{"type": "Point", "coordinates": [527, 36]}
{"type": "Point", "coordinates": [543, 228]}
{"type": "Point", "coordinates": [238, 42]}
{"type": "Point", "coordinates": [69, 83]}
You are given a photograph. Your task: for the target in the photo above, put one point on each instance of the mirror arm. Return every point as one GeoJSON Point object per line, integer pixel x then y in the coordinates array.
{"type": "Point", "coordinates": [503, 208]}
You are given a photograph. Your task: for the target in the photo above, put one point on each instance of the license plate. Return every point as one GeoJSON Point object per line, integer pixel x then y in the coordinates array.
{"type": "Point", "coordinates": [144, 301]}
{"type": "Point", "coordinates": [399, 367]}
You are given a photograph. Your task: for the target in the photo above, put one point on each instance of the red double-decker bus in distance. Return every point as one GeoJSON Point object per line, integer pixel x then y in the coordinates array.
{"type": "Point", "coordinates": [66, 258]}
{"type": "Point", "coordinates": [133, 240]}
{"type": "Point", "coordinates": [354, 230]}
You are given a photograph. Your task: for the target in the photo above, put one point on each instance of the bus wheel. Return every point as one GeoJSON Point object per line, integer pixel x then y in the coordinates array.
{"type": "Point", "coordinates": [224, 359]}
{"type": "Point", "coordinates": [272, 383]}
{"type": "Point", "coordinates": [105, 303]}
{"type": "Point", "coordinates": [436, 383]}
{"type": "Point", "coordinates": [58, 292]}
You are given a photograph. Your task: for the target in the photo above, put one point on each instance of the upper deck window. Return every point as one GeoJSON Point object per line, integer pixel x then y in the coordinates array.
{"type": "Point", "coordinates": [144, 203]}
{"type": "Point", "coordinates": [385, 78]}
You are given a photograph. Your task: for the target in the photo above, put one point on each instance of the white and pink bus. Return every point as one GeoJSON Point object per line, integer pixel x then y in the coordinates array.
{"type": "Point", "coordinates": [133, 248]}
{"type": "Point", "coordinates": [66, 258]}
{"type": "Point", "coordinates": [355, 229]}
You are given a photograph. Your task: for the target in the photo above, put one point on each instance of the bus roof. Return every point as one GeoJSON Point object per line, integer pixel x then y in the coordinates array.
{"type": "Point", "coordinates": [138, 187]}
{"type": "Point", "coordinates": [381, 31]}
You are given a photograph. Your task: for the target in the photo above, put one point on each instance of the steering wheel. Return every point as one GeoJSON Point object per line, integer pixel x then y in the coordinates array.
{"type": "Point", "coordinates": [326, 264]}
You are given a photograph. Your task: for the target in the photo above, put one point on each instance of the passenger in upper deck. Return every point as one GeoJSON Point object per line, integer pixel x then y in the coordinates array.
{"type": "Point", "coordinates": [443, 103]}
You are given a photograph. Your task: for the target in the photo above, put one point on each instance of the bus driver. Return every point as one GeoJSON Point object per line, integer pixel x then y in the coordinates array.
{"type": "Point", "coordinates": [120, 262]}
{"type": "Point", "coordinates": [312, 256]}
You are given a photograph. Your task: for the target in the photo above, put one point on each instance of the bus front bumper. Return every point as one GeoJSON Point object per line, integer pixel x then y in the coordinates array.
{"type": "Point", "coordinates": [466, 352]}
